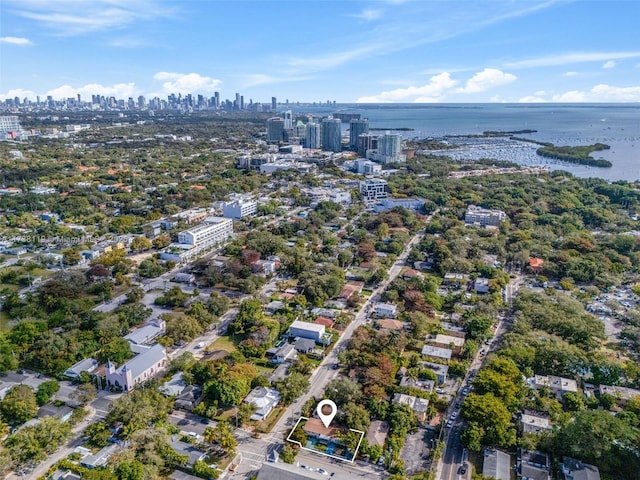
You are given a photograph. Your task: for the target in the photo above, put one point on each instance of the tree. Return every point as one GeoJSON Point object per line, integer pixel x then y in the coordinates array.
{"type": "Point", "coordinates": [135, 295]}
{"type": "Point", "coordinates": [245, 410]}
{"type": "Point", "coordinates": [140, 244]}
{"type": "Point", "coordinates": [489, 418]}
{"type": "Point", "coordinates": [291, 387]}
{"type": "Point", "coordinates": [46, 391]}
{"type": "Point", "coordinates": [356, 417]}
{"type": "Point", "coordinates": [288, 454]}
{"type": "Point", "coordinates": [117, 350]}
{"type": "Point", "coordinates": [85, 393]}
{"type": "Point", "coordinates": [344, 390]}
{"type": "Point", "coordinates": [19, 405]}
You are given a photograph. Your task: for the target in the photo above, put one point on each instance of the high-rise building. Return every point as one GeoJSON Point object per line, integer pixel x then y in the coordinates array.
{"type": "Point", "coordinates": [390, 144]}
{"type": "Point", "coordinates": [217, 99]}
{"type": "Point", "coordinates": [274, 104]}
{"type": "Point", "coordinates": [9, 124]}
{"type": "Point", "coordinates": [366, 141]}
{"type": "Point", "coordinates": [313, 136]}
{"type": "Point", "coordinates": [356, 128]}
{"type": "Point", "coordinates": [288, 119]}
{"type": "Point", "coordinates": [275, 129]}
{"type": "Point", "coordinates": [331, 134]}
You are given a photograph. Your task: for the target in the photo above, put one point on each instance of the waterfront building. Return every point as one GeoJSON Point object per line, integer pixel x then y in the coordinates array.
{"type": "Point", "coordinates": [313, 139]}
{"type": "Point", "coordinates": [357, 127]}
{"type": "Point", "coordinates": [331, 134]}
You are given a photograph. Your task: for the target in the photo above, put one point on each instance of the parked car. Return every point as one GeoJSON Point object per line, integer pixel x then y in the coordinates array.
{"type": "Point", "coordinates": [323, 471]}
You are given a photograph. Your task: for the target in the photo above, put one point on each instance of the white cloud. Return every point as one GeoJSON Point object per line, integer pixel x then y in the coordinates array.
{"type": "Point", "coordinates": [600, 93]}
{"type": "Point", "coordinates": [119, 90]}
{"type": "Point", "coordinates": [431, 92]}
{"type": "Point", "coordinates": [571, 58]}
{"type": "Point", "coordinates": [570, 74]}
{"type": "Point", "coordinates": [532, 99]}
{"type": "Point", "coordinates": [20, 41]}
{"type": "Point", "coordinates": [487, 79]}
{"type": "Point", "coordinates": [186, 83]}
{"type": "Point", "coordinates": [609, 64]}
{"type": "Point", "coordinates": [368, 14]}
{"type": "Point", "coordinates": [20, 93]}
{"type": "Point", "coordinates": [73, 17]}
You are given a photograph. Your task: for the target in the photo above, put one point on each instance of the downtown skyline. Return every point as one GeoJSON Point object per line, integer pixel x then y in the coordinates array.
{"type": "Point", "coordinates": [372, 52]}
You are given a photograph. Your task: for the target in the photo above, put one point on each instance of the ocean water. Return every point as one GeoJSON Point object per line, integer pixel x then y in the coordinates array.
{"type": "Point", "coordinates": [617, 125]}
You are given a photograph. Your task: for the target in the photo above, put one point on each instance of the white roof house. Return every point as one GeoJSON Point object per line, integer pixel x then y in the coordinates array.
{"type": "Point", "coordinates": [148, 333]}
{"type": "Point", "coordinates": [307, 330]}
{"type": "Point", "coordinates": [387, 310]}
{"type": "Point", "coordinates": [437, 352]}
{"type": "Point", "coordinates": [265, 399]}
{"type": "Point", "coordinates": [87, 365]}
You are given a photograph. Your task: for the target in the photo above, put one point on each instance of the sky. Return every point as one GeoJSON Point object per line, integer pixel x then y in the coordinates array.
{"type": "Point", "coordinates": [399, 51]}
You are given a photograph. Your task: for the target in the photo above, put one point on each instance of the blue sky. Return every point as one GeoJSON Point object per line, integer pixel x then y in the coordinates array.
{"type": "Point", "coordinates": [318, 50]}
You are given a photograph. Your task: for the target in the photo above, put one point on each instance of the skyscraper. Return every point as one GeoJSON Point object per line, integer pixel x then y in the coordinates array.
{"type": "Point", "coordinates": [275, 129]}
{"type": "Point", "coordinates": [356, 128]}
{"type": "Point", "coordinates": [274, 104]}
{"type": "Point", "coordinates": [288, 119]}
{"type": "Point", "coordinates": [331, 134]}
{"type": "Point", "coordinates": [313, 135]}
{"type": "Point", "coordinates": [390, 144]}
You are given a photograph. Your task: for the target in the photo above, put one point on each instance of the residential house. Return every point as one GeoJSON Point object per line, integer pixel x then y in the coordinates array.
{"type": "Point", "coordinates": [304, 345]}
{"type": "Point", "coordinates": [284, 353]}
{"type": "Point", "coordinates": [621, 394]}
{"type": "Point", "coordinates": [497, 464]}
{"type": "Point", "coordinates": [327, 322]}
{"type": "Point", "coordinates": [350, 288]}
{"type": "Point", "coordinates": [446, 341]}
{"type": "Point", "coordinates": [189, 398]}
{"type": "Point", "coordinates": [440, 370]}
{"type": "Point", "coordinates": [264, 267]}
{"type": "Point", "coordinates": [315, 428]}
{"type": "Point", "coordinates": [419, 406]}
{"type": "Point", "coordinates": [533, 466]}
{"type": "Point", "coordinates": [174, 386]}
{"type": "Point", "coordinates": [100, 459]}
{"type": "Point", "coordinates": [390, 324]}
{"type": "Point", "coordinates": [193, 453]}
{"type": "Point", "coordinates": [536, 264]}
{"type": "Point", "coordinates": [326, 312]}
{"type": "Point", "coordinates": [424, 385]}
{"type": "Point", "coordinates": [453, 329]}
{"type": "Point", "coordinates": [573, 469]}
{"type": "Point", "coordinates": [139, 369]}
{"type": "Point", "coordinates": [481, 285]}
{"type": "Point", "coordinates": [307, 330]}
{"type": "Point", "coordinates": [386, 310]}
{"type": "Point", "coordinates": [437, 352]}
{"type": "Point", "coordinates": [62, 413]}
{"type": "Point", "coordinates": [534, 422]}
{"type": "Point", "coordinates": [455, 280]}
{"type": "Point", "coordinates": [557, 385]}
{"type": "Point", "coordinates": [409, 273]}
{"type": "Point", "coordinates": [265, 399]}
{"type": "Point", "coordinates": [273, 306]}
{"type": "Point", "coordinates": [377, 432]}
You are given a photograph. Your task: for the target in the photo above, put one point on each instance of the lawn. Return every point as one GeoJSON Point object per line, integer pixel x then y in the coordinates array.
{"type": "Point", "coordinates": [266, 425]}
{"type": "Point", "coordinates": [225, 342]}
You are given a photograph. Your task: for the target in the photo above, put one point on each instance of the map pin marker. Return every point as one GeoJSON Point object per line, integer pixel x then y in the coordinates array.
{"type": "Point", "coordinates": [327, 417]}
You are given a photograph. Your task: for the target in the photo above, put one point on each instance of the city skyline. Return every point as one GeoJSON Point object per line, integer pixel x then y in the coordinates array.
{"type": "Point", "coordinates": [373, 52]}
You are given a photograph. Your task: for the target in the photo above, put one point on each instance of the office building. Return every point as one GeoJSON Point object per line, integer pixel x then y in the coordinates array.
{"type": "Point", "coordinates": [212, 231]}
{"type": "Point", "coordinates": [357, 127]}
{"type": "Point", "coordinates": [275, 129]}
{"type": "Point", "coordinates": [274, 104]}
{"type": "Point", "coordinates": [331, 134]}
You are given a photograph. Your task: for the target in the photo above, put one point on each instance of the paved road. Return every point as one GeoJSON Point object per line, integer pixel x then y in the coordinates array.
{"type": "Point", "coordinates": [451, 458]}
